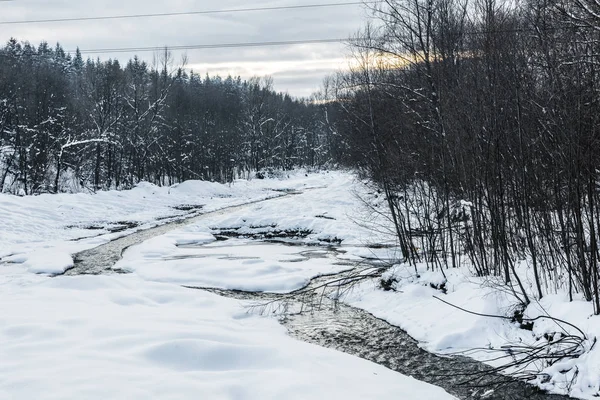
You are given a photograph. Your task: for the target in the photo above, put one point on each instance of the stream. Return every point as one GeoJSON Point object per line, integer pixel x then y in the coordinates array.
{"type": "Point", "coordinates": [334, 324]}
{"type": "Point", "coordinates": [100, 259]}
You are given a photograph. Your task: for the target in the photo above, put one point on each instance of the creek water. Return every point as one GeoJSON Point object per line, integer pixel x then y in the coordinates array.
{"type": "Point", "coordinates": [312, 316]}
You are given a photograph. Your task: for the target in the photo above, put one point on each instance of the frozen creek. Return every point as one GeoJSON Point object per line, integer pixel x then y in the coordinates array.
{"type": "Point", "coordinates": [336, 325]}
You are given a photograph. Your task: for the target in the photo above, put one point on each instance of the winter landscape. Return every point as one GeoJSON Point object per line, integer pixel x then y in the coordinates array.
{"type": "Point", "coordinates": [416, 217]}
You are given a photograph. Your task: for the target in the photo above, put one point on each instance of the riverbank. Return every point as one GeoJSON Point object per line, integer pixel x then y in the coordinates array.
{"type": "Point", "coordinates": [124, 336]}
{"type": "Point", "coordinates": [317, 225]}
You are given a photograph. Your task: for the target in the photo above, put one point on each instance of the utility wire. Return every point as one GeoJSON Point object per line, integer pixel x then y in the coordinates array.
{"type": "Point", "coordinates": [355, 40]}
{"type": "Point", "coordinates": [209, 46]}
{"type": "Point", "coordinates": [173, 14]}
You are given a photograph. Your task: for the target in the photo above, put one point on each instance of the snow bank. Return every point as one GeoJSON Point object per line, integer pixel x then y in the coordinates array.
{"type": "Point", "coordinates": [333, 212]}
{"type": "Point", "coordinates": [69, 223]}
{"type": "Point", "coordinates": [324, 213]}
{"type": "Point", "coordinates": [144, 336]}
{"type": "Point", "coordinates": [441, 328]}
{"type": "Point", "coordinates": [118, 337]}
{"type": "Point", "coordinates": [233, 264]}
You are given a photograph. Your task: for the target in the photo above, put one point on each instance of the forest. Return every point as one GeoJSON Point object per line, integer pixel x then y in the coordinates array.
{"type": "Point", "coordinates": [69, 124]}
{"type": "Point", "coordinates": [479, 122]}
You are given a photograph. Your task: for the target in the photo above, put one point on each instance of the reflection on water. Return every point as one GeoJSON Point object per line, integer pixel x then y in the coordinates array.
{"type": "Point", "coordinates": [354, 331]}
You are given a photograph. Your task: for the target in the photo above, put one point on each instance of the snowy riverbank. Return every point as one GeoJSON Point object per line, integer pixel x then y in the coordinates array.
{"type": "Point", "coordinates": [41, 232]}
{"type": "Point", "coordinates": [178, 341]}
{"type": "Point", "coordinates": [413, 304]}
{"type": "Point", "coordinates": [131, 336]}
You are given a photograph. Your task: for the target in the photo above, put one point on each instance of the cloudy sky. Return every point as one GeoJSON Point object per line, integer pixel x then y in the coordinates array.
{"type": "Point", "coordinates": [297, 69]}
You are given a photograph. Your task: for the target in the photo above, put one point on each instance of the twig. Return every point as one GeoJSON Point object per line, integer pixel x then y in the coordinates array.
{"type": "Point", "coordinates": [584, 336]}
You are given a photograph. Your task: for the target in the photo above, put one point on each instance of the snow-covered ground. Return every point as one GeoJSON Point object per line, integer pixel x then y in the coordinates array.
{"type": "Point", "coordinates": [143, 335]}
{"type": "Point", "coordinates": [232, 264]}
{"type": "Point", "coordinates": [334, 213]}
{"type": "Point", "coordinates": [414, 305]}
{"type": "Point", "coordinates": [120, 337]}
{"type": "Point", "coordinates": [192, 256]}
{"type": "Point", "coordinates": [41, 232]}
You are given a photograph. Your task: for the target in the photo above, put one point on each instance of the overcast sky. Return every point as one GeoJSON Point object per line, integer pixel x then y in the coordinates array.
{"type": "Point", "coordinates": [297, 69]}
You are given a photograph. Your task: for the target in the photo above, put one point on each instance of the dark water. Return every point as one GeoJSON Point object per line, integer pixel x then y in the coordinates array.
{"type": "Point", "coordinates": [100, 260]}
{"type": "Point", "coordinates": [354, 331]}
{"type": "Point", "coordinates": [313, 317]}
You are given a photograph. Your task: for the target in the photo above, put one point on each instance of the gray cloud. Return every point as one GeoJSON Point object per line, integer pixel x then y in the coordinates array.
{"type": "Point", "coordinates": [296, 69]}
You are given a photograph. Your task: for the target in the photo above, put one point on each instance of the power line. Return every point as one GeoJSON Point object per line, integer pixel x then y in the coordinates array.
{"type": "Point", "coordinates": [208, 46]}
{"type": "Point", "coordinates": [298, 42]}
{"type": "Point", "coordinates": [174, 14]}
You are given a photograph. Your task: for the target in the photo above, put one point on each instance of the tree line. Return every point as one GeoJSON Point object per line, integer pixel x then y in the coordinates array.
{"type": "Point", "coordinates": [479, 121]}
{"type": "Point", "coordinates": [67, 123]}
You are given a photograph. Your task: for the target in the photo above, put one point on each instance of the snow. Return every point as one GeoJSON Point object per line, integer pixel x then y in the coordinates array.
{"type": "Point", "coordinates": [47, 261]}
{"type": "Point", "coordinates": [143, 335]}
{"type": "Point", "coordinates": [322, 213]}
{"type": "Point", "coordinates": [329, 212]}
{"type": "Point", "coordinates": [68, 223]}
{"type": "Point", "coordinates": [233, 264]}
{"type": "Point", "coordinates": [413, 305]}
{"type": "Point", "coordinates": [119, 337]}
